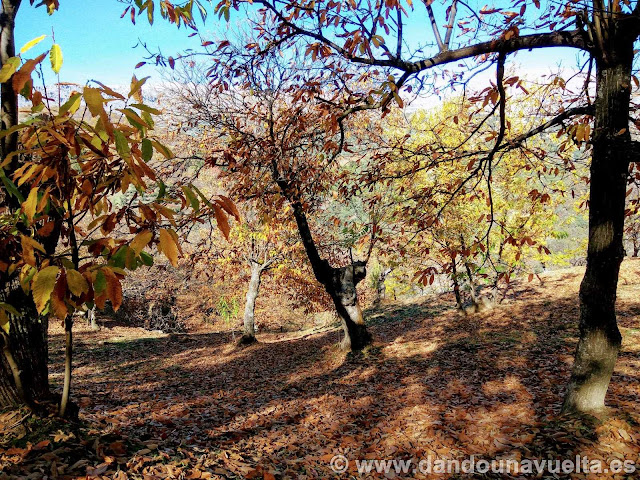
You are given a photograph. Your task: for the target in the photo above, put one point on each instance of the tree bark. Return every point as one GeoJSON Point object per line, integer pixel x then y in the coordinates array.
{"type": "Point", "coordinates": [456, 284]}
{"type": "Point", "coordinates": [9, 116]}
{"type": "Point", "coordinates": [249, 328]}
{"type": "Point", "coordinates": [339, 283]}
{"type": "Point", "coordinates": [26, 345]}
{"type": "Point", "coordinates": [343, 292]}
{"type": "Point", "coordinates": [92, 320]}
{"type": "Point", "coordinates": [27, 338]}
{"type": "Point", "coordinates": [381, 287]}
{"type": "Point", "coordinates": [600, 338]}
{"type": "Point", "coordinates": [68, 360]}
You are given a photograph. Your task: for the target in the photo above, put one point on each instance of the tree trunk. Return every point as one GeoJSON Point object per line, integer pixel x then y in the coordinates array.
{"type": "Point", "coordinates": [456, 284]}
{"type": "Point", "coordinates": [68, 359]}
{"type": "Point", "coordinates": [249, 329]}
{"type": "Point", "coordinates": [9, 116]}
{"type": "Point", "coordinates": [26, 354]}
{"type": "Point", "coordinates": [600, 338]}
{"type": "Point", "coordinates": [339, 283]}
{"type": "Point", "coordinates": [343, 292]}
{"type": "Point", "coordinates": [92, 320]}
{"type": "Point", "coordinates": [381, 287]}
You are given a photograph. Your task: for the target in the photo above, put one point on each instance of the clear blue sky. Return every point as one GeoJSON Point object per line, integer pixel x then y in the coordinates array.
{"type": "Point", "coordinates": [98, 44]}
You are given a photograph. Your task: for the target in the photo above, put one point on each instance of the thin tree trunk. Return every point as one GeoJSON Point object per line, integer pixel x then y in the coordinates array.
{"type": "Point", "coordinates": [472, 284]}
{"type": "Point", "coordinates": [600, 338]}
{"type": "Point", "coordinates": [456, 284]}
{"type": "Point", "coordinates": [381, 287]}
{"type": "Point", "coordinates": [68, 360]}
{"type": "Point", "coordinates": [92, 320]}
{"type": "Point", "coordinates": [249, 328]}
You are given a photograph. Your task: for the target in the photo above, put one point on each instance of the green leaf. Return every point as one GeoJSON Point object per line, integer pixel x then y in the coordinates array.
{"type": "Point", "coordinates": [146, 259]}
{"type": "Point", "coordinates": [32, 43]}
{"type": "Point", "coordinates": [100, 282]}
{"type": "Point", "coordinates": [193, 199]}
{"type": "Point", "coordinates": [11, 187]}
{"type": "Point", "coordinates": [122, 145]}
{"type": "Point", "coordinates": [147, 150]}
{"type": "Point", "coordinates": [55, 55]}
{"type": "Point", "coordinates": [146, 108]}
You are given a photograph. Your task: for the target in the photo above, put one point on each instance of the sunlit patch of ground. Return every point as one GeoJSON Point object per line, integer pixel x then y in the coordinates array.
{"type": "Point", "coordinates": [436, 384]}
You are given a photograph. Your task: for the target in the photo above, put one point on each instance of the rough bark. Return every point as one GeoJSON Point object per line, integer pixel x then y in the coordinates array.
{"type": "Point", "coordinates": [9, 116]}
{"type": "Point", "coordinates": [27, 347]}
{"type": "Point", "coordinates": [249, 325]}
{"type": "Point", "coordinates": [600, 338]}
{"type": "Point", "coordinates": [27, 338]}
{"type": "Point", "coordinates": [343, 292]}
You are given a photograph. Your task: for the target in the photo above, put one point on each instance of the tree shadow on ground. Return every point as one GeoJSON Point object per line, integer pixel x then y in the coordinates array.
{"type": "Point", "coordinates": [436, 385]}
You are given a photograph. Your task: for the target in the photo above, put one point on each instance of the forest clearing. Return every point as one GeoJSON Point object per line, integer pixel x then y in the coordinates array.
{"type": "Point", "coordinates": [435, 383]}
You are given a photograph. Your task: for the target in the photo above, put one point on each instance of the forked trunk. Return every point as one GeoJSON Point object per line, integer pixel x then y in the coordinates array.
{"type": "Point", "coordinates": [249, 328]}
{"type": "Point", "coordinates": [339, 283]}
{"type": "Point", "coordinates": [600, 338]}
{"type": "Point", "coordinates": [343, 292]}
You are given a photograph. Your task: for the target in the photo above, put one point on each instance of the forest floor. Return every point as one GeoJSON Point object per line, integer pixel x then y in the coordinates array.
{"type": "Point", "coordinates": [436, 385]}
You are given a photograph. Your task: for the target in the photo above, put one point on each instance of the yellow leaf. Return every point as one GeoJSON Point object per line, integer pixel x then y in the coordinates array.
{"type": "Point", "coordinates": [32, 43]}
{"type": "Point", "coordinates": [94, 100]}
{"type": "Point", "coordinates": [9, 68]}
{"type": "Point", "coordinates": [76, 282]}
{"type": "Point", "coordinates": [136, 88]}
{"type": "Point", "coordinates": [168, 246]}
{"type": "Point", "coordinates": [29, 205]}
{"type": "Point", "coordinates": [55, 55]}
{"type": "Point", "coordinates": [140, 241]}
{"type": "Point", "coordinates": [42, 286]}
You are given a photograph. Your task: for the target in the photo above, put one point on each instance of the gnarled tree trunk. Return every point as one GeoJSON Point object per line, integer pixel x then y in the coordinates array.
{"type": "Point", "coordinates": [343, 292]}
{"type": "Point", "coordinates": [600, 338]}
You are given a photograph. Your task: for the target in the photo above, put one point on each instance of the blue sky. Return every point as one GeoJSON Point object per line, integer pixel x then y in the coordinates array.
{"type": "Point", "coordinates": [98, 44]}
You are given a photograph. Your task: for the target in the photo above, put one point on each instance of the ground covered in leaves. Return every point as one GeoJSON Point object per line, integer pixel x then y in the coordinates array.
{"type": "Point", "coordinates": [436, 385]}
